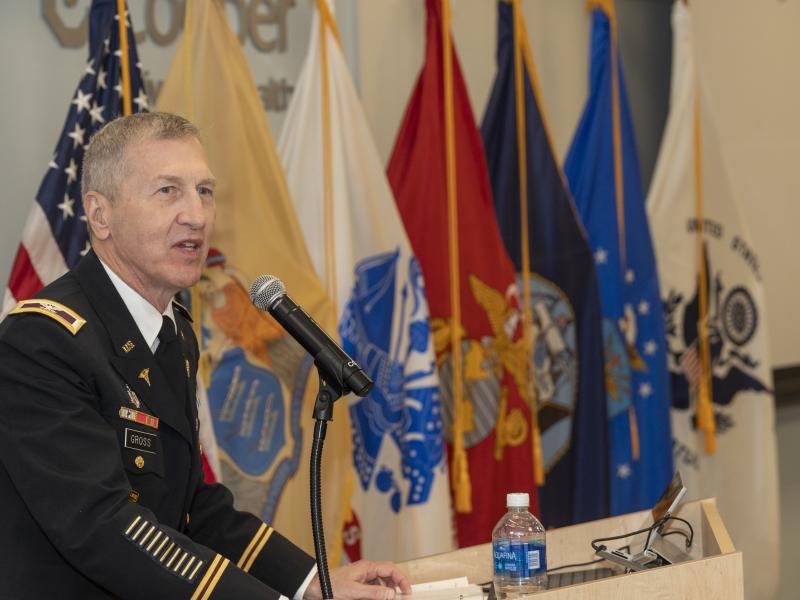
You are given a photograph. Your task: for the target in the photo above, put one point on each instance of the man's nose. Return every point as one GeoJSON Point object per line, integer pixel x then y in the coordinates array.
{"type": "Point", "coordinates": [193, 213]}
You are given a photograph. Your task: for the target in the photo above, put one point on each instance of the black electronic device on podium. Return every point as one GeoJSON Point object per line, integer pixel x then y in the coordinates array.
{"type": "Point", "coordinates": [652, 554]}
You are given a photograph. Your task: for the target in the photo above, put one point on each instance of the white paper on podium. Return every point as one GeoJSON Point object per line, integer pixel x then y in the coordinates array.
{"type": "Point", "coordinates": [445, 589]}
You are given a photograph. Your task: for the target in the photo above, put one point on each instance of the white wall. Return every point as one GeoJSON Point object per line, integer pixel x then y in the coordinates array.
{"type": "Point", "coordinates": [392, 38]}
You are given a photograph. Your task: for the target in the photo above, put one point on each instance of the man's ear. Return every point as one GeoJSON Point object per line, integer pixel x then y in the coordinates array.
{"type": "Point", "coordinates": [97, 208]}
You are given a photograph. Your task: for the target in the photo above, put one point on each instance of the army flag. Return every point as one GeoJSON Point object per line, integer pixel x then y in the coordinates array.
{"type": "Point", "coordinates": [260, 395]}
{"type": "Point", "coordinates": [603, 172]}
{"type": "Point", "coordinates": [55, 236]}
{"type": "Point", "coordinates": [710, 277]}
{"type": "Point", "coordinates": [400, 500]}
{"type": "Point", "coordinates": [438, 173]}
{"type": "Point", "coordinates": [544, 237]}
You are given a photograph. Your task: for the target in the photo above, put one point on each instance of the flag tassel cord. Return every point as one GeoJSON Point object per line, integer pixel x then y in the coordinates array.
{"type": "Point", "coordinates": [327, 23]}
{"type": "Point", "coordinates": [327, 158]}
{"type": "Point", "coordinates": [125, 67]}
{"type": "Point", "coordinates": [705, 412]}
{"type": "Point", "coordinates": [187, 61]}
{"type": "Point", "coordinates": [522, 163]}
{"type": "Point", "coordinates": [462, 485]}
{"type": "Point", "coordinates": [607, 6]}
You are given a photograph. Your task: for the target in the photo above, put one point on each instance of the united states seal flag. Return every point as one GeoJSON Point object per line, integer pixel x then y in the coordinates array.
{"type": "Point", "coordinates": [721, 288]}
{"type": "Point", "coordinates": [55, 236]}
{"type": "Point", "coordinates": [400, 498]}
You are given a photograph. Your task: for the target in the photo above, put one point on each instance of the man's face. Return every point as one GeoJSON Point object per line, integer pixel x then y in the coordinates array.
{"type": "Point", "coordinates": [163, 216]}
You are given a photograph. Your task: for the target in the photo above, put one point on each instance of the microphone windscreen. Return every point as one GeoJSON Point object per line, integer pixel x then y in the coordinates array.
{"type": "Point", "coordinates": [265, 290]}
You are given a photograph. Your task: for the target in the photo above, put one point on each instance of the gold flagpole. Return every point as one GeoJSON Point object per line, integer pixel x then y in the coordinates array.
{"type": "Point", "coordinates": [522, 164]}
{"type": "Point", "coordinates": [122, 20]}
{"type": "Point", "coordinates": [460, 474]}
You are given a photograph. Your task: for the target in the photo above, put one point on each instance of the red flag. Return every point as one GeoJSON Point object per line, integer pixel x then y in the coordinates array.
{"type": "Point", "coordinates": [452, 229]}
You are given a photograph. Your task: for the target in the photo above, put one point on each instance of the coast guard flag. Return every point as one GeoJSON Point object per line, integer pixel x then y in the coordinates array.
{"type": "Point", "coordinates": [603, 172]}
{"type": "Point", "coordinates": [260, 382]}
{"type": "Point", "coordinates": [489, 426]}
{"type": "Point", "coordinates": [742, 473]}
{"type": "Point", "coordinates": [564, 300]}
{"type": "Point", "coordinates": [400, 500]}
{"type": "Point", "coordinates": [55, 236]}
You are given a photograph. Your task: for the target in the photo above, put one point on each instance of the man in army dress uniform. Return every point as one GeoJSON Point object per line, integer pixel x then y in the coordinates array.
{"type": "Point", "coordinates": [101, 487]}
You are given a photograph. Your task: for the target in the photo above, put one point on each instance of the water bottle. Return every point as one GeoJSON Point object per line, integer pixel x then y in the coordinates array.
{"type": "Point", "coordinates": [518, 549]}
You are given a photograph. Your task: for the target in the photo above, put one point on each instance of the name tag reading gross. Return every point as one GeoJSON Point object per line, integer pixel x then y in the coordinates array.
{"type": "Point", "coordinates": [142, 441]}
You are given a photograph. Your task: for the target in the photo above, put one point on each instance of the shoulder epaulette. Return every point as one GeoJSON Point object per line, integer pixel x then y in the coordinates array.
{"type": "Point", "coordinates": [66, 316]}
{"type": "Point", "coordinates": [183, 310]}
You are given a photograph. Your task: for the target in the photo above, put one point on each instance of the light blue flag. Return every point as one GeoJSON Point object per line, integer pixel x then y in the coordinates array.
{"type": "Point", "coordinates": [603, 172]}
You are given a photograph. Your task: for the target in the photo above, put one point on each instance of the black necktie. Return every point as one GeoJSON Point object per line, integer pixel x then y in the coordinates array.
{"type": "Point", "coordinates": [170, 358]}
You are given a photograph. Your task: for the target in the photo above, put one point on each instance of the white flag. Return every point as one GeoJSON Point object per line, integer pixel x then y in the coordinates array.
{"type": "Point", "coordinates": [401, 501]}
{"type": "Point", "coordinates": [742, 474]}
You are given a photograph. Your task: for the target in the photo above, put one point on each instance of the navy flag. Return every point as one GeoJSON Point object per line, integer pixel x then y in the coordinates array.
{"type": "Point", "coordinates": [549, 249]}
{"type": "Point", "coordinates": [55, 235]}
{"type": "Point", "coordinates": [603, 172]}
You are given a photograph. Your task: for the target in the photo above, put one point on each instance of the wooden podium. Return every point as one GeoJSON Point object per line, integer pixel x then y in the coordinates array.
{"type": "Point", "coordinates": [713, 571]}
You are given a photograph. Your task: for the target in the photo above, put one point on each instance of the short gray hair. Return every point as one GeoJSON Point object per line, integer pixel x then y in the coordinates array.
{"type": "Point", "coordinates": [104, 165]}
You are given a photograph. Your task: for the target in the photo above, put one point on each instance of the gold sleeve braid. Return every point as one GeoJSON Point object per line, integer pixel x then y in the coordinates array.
{"type": "Point", "coordinates": [210, 580]}
{"type": "Point", "coordinates": [255, 547]}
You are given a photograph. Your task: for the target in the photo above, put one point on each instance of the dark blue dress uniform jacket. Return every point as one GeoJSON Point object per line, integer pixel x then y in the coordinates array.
{"type": "Point", "coordinates": [97, 499]}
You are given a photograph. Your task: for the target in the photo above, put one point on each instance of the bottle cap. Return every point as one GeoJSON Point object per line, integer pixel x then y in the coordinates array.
{"type": "Point", "coordinates": [517, 500]}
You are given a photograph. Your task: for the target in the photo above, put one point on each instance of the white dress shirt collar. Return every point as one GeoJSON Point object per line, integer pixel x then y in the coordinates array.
{"type": "Point", "coordinates": [145, 315]}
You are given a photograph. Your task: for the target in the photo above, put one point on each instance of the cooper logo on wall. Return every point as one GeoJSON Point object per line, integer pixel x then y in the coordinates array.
{"type": "Point", "coordinates": [262, 24]}
{"type": "Point", "coordinates": [734, 323]}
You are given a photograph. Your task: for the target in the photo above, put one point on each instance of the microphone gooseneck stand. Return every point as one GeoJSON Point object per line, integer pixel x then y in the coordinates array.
{"type": "Point", "coordinates": [336, 378]}
{"type": "Point", "coordinates": [338, 375]}
{"type": "Point", "coordinates": [323, 412]}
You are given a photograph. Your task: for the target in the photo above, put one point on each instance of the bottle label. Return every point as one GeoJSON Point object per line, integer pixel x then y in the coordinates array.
{"type": "Point", "coordinates": [516, 559]}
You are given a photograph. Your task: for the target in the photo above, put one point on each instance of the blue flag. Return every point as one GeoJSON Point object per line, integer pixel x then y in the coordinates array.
{"type": "Point", "coordinates": [563, 297]}
{"type": "Point", "coordinates": [603, 172]}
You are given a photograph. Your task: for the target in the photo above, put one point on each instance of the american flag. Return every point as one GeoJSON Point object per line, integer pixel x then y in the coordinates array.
{"type": "Point", "coordinates": [55, 235]}
{"type": "Point", "coordinates": [690, 363]}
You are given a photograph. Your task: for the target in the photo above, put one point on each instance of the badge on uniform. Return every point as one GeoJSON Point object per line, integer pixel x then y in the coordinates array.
{"type": "Point", "coordinates": [138, 417]}
{"type": "Point", "coordinates": [133, 397]}
{"type": "Point", "coordinates": [145, 375]}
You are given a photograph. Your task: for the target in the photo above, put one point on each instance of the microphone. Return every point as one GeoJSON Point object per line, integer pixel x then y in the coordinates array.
{"type": "Point", "coordinates": [336, 368]}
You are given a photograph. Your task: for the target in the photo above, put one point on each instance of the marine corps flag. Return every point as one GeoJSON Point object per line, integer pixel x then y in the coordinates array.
{"type": "Point", "coordinates": [401, 499]}
{"type": "Point", "coordinates": [555, 277]}
{"type": "Point", "coordinates": [717, 335]}
{"type": "Point", "coordinates": [439, 177]}
{"type": "Point", "coordinates": [259, 391]}
{"type": "Point", "coordinates": [603, 172]}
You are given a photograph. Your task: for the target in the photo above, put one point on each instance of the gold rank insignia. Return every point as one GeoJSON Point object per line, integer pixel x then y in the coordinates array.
{"type": "Point", "coordinates": [66, 316]}
{"type": "Point", "coordinates": [133, 397]}
{"type": "Point", "coordinates": [145, 375]}
{"type": "Point", "coordinates": [128, 346]}
{"type": "Point", "coordinates": [187, 368]}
